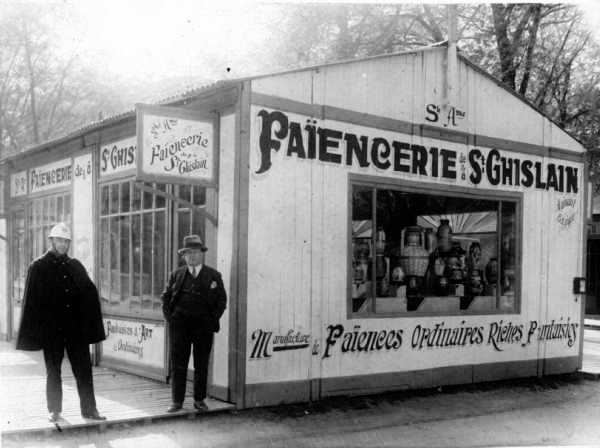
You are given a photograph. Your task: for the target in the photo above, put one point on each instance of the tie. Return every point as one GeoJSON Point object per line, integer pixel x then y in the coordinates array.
{"type": "Point", "coordinates": [194, 273]}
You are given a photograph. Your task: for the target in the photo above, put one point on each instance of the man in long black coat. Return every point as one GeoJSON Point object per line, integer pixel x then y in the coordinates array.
{"type": "Point", "coordinates": [193, 303]}
{"type": "Point", "coordinates": [61, 310]}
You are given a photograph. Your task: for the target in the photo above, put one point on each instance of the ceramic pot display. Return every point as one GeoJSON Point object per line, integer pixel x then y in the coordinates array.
{"type": "Point", "coordinates": [398, 274]}
{"type": "Point", "coordinates": [444, 236]}
{"type": "Point", "coordinates": [380, 266]}
{"type": "Point", "coordinates": [475, 282]}
{"type": "Point", "coordinates": [358, 273]}
{"type": "Point", "coordinates": [442, 286]}
{"type": "Point", "coordinates": [491, 270]}
{"type": "Point", "coordinates": [439, 266]}
{"type": "Point", "coordinates": [430, 240]}
{"type": "Point", "coordinates": [414, 258]}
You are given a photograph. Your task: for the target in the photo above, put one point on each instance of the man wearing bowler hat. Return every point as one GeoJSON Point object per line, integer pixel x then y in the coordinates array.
{"type": "Point", "coordinates": [193, 302]}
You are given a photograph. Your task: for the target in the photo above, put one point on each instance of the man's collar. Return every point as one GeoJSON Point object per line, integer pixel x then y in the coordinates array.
{"type": "Point", "coordinates": [198, 268]}
{"type": "Point", "coordinates": [55, 255]}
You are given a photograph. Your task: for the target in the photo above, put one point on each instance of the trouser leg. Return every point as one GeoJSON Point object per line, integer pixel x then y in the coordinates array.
{"type": "Point", "coordinates": [203, 341]}
{"type": "Point", "coordinates": [81, 364]}
{"type": "Point", "coordinates": [53, 356]}
{"type": "Point", "coordinates": [180, 357]}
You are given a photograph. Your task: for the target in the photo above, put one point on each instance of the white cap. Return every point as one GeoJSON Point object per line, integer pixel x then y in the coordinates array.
{"type": "Point", "coordinates": [60, 230]}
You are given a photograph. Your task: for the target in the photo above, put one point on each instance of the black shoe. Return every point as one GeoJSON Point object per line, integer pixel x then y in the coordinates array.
{"type": "Point", "coordinates": [174, 407]}
{"type": "Point", "coordinates": [200, 405]}
{"type": "Point", "coordinates": [53, 417]}
{"type": "Point", "coordinates": [94, 415]}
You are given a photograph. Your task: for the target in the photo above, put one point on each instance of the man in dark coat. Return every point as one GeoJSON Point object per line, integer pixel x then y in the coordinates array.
{"type": "Point", "coordinates": [193, 302]}
{"type": "Point", "coordinates": [61, 310]}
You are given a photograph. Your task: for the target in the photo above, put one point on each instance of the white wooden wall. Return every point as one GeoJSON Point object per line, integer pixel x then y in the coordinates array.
{"type": "Point", "coordinates": [298, 218]}
{"type": "Point", "coordinates": [225, 254]}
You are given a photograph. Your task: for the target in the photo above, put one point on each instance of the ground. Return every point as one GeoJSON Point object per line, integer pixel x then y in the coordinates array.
{"type": "Point", "coordinates": [559, 410]}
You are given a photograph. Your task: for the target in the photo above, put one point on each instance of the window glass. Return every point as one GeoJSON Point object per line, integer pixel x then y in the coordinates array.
{"type": "Point", "coordinates": [160, 251]}
{"type": "Point", "coordinates": [148, 197]}
{"type": "Point", "coordinates": [362, 256]}
{"type": "Point", "coordinates": [136, 251]}
{"type": "Point", "coordinates": [114, 199]}
{"type": "Point", "coordinates": [125, 196]}
{"type": "Point", "coordinates": [104, 200]}
{"type": "Point", "coordinates": [147, 261]}
{"type": "Point", "coordinates": [67, 207]}
{"type": "Point", "coordinates": [199, 195]}
{"type": "Point", "coordinates": [136, 255]}
{"type": "Point", "coordinates": [115, 272]}
{"type": "Point", "coordinates": [160, 199]}
{"type": "Point", "coordinates": [59, 208]}
{"type": "Point", "coordinates": [433, 252]}
{"type": "Point", "coordinates": [185, 193]}
{"type": "Point", "coordinates": [104, 257]}
{"type": "Point", "coordinates": [43, 213]}
{"type": "Point", "coordinates": [136, 202]}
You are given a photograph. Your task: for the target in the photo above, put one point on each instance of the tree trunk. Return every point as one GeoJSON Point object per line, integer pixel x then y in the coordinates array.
{"type": "Point", "coordinates": [536, 12]}
{"type": "Point", "coordinates": [32, 85]}
{"type": "Point", "coordinates": [508, 70]}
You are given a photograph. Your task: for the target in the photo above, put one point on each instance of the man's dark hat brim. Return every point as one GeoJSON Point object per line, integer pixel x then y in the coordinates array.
{"type": "Point", "coordinates": [192, 245]}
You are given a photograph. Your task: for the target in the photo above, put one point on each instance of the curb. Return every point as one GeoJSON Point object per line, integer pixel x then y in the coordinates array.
{"type": "Point", "coordinates": [188, 414]}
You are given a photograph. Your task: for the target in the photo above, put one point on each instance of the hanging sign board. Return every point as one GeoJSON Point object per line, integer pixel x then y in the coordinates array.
{"type": "Point", "coordinates": [18, 184]}
{"type": "Point", "coordinates": [175, 145]}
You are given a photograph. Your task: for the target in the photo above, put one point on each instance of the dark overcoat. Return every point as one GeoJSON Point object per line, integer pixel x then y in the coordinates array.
{"type": "Point", "coordinates": [42, 297]}
{"type": "Point", "coordinates": [211, 290]}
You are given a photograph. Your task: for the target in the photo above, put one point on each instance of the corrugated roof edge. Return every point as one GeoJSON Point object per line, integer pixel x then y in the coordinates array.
{"type": "Point", "coordinates": [113, 119]}
{"type": "Point", "coordinates": [190, 94]}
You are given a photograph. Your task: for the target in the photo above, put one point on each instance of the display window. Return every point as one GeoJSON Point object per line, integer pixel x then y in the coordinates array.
{"type": "Point", "coordinates": [189, 219]}
{"type": "Point", "coordinates": [133, 239]}
{"type": "Point", "coordinates": [455, 251]}
{"type": "Point", "coordinates": [43, 213]}
{"type": "Point", "coordinates": [135, 243]}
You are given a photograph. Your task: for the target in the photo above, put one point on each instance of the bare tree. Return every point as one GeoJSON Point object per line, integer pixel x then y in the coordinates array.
{"type": "Point", "coordinates": [43, 93]}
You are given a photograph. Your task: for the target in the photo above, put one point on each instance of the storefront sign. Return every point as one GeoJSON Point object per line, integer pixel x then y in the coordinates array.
{"type": "Point", "coordinates": [337, 147]}
{"type": "Point", "coordinates": [18, 184]}
{"type": "Point", "coordinates": [135, 342]}
{"type": "Point", "coordinates": [264, 343]}
{"type": "Point", "coordinates": [448, 117]}
{"type": "Point", "coordinates": [52, 175]}
{"type": "Point", "coordinates": [118, 156]}
{"type": "Point", "coordinates": [176, 145]}
{"type": "Point", "coordinates": [83, 212]}
{"type": "Point", "coordinates": [566, 211]}
{"type": "Point", "coordinates": [496, 335]}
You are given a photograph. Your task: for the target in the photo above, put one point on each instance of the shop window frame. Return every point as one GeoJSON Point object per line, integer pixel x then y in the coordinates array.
{"type": "Point", "coordinates": [154, 313]}
{"type": "Point", "coordinates": [446, 190]}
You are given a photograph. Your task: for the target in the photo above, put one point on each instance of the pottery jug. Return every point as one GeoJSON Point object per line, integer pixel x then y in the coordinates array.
{"type": "Point", "coordinates": [444, 236]}
{"type": "Point", "coordinates": [442, 286]}
{"type": "Point", "coordinates": [475, 282]}
{"type": "Point", "coordinates": [398, 274]}
{"type": "Point", "coordinates": [380, 266]}
{"type": "Point", "coordinates": [414, 258]}
{"type": "Point", "coordinates": [491, 270]}
{"type": "Point", "coordinates": [438, 266]}
{"type": "Point", "coordinates": [430, 240]}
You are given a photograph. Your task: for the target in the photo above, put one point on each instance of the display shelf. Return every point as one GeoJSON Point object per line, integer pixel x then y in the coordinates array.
{"type": "Point", "coordinates": [437, 304]}
{"type": "Point", "coordinates": [478, 303]}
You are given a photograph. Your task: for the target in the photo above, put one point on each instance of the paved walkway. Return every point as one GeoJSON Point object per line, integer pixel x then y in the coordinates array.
{"type": "Point", "coordinates": [120, 397]}
{"type": "Point", "coordinates": [125, 398]}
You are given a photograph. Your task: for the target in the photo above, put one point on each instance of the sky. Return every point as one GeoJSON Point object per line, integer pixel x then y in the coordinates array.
{"type": "Point", "coordinates": [155, 39]}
